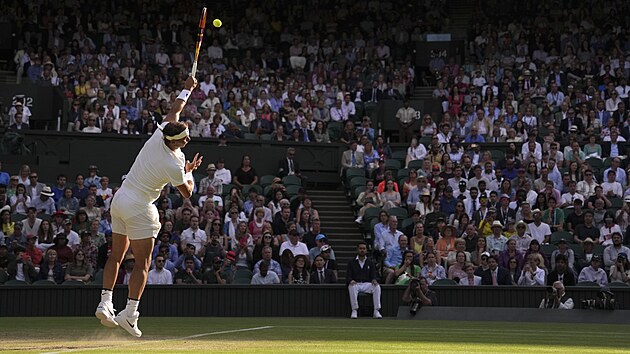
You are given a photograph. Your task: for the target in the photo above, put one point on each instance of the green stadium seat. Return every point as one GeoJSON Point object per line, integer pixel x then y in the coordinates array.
{"type": "Point", "coordinates": [15, 282]}
{"type": "Point", "coordinates": [250, 136]}
{"type": "Point", "coordinates": [334, 131]}
{"type": "Point", "coordinates": [358, 181]}
{"type": "Point", "coordinates": [73, 283]}
{"type": "Point", "coordinates": [266, 180]}
{"type": "Point", "coordinates": [612, 210]}
{"type": "Point", "coordinates": [17, 217]}
{"type": "Point", "coordinates": [248, 187]}
{"type": "Point", "coordinates": [403, 172]}
{"type": "Point", "coordinates": [265, 137]}
{"type": "Point", "coordinates": [44, 282]}
{"type": "Point", "coordinates": [578, 250]}
{"type": "Point", "coordinates": [242, 281]}
{"type": "Point", "coordinates": [357, 190]}
{"type": "Point", "coordinates": [267, 191]}
{"type": "Point", "coordinates": [445, 282]}
{"type": "Point", "coordinates": [399, 155]}
{"type": "Point", "coordinates": [497, 155]}
{"type": "Point", "coordinates": [354, 172]}
{"type": "Point", "coordinates": [590, 284]}
{"type": "Point", "coordinates": [548, 250]}
{"type": "Point", "coordinates": [292, 190]}
{"type": "Point", "coordinates": [335, 125]}
{"type": "Point", "coordinates": [243, 274]}
{"type": "Point", "coordinates": [556, 236]}
{"type": "Point", "coordinates": [595, 163]}
{"type": "Point", "coordinates": [616, 202]}
{"type": "Point", "coordinates": [391, 164]}
{"type": "Point", "coordinates": [415, 164]}
{"type": "Point", "coordinates": [371, 224]}
{"type": "Point", "coordinates": [400, 213]}
{"type": "Point", "coordinates": [607, 162]}
{"type": "Point", "coordinates": [3, 277]}
{"type": "Point", "coordinates": [405, 223]}
{"type": "Point", "coordinates": [226, 189]}
{"type": "Point", "coordinates": [98, 278]}
{"type": "Point", "coordinates": [542, 131]}
{"type": "Point", "coordinates": [371, 213]}
{"type": "Point", "coordinates": [618, 284]}
{"type": "Point", "coordinates": [598, 250]}
{"type": "Point", "coordinates": [425, 140]}
{"type": "Point", "coordinates": [292, 180]}
{"type": "Point", "coordinates": [401, 181]}
{"type": "Point", "coordinates": [567, 212]}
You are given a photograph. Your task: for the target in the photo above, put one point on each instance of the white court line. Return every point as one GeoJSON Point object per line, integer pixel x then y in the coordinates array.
{"type": "Point", "coordinates": [165, 340]}
{"type": "Point", "coordinates": [437, 330]}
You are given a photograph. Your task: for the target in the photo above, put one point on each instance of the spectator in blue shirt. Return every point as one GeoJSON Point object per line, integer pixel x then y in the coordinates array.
{"type": "Point", "coordinates": [34, 72]}
{"type": "Point", "coordinates": [365, 129]}
{"type": "Point", "coordinates": [4, 177]}
{"type": "Point", "coordinates": [189, 251]}
{"type": "Point", "coordinates": [509, 171]}
{"type": "Point", "coordinates": [394, 258]}
{"type": "Point", "coordinates": [474, 136]}
{"type": "Point", "coordinates": [447, 202]}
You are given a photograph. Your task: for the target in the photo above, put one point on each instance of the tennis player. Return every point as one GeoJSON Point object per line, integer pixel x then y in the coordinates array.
{"type": "Point", "coordinates": [135, 219]}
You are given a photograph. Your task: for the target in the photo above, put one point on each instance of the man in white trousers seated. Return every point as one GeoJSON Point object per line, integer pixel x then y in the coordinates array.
{"type": "Point", "coordinates": [362, 278]}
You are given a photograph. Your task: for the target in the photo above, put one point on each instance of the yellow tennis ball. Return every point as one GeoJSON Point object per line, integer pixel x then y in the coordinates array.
{"type": "Point", "coordinates": [217, 23]}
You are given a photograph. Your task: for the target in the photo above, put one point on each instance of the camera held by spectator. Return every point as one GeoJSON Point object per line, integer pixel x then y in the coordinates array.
{"type": "Point", "coordinates": [414, 288]}
{"type": "Point", "coordinates": [556, 298]}
{"type": "Point", "coordinates": [418, 294]}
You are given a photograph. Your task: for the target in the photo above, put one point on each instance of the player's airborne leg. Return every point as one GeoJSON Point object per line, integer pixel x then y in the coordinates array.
{"type": "Point", "coordinates": [135, 219]}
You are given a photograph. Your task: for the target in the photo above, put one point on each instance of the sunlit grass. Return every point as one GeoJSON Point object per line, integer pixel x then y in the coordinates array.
{"type": "Point", "coordinates": [315, 335]}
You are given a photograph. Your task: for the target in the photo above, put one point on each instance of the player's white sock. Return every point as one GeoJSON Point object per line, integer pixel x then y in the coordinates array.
{"type": "Point", "coordinates": [132, 306]}
{"type": "Point", "coordinates": [106, 295]}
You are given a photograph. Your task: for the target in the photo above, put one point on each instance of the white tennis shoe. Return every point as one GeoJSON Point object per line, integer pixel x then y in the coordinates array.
{"type": "Point", "coordinates": [129, 322]}
{"type": "Point", "coordinates": [106, 313]}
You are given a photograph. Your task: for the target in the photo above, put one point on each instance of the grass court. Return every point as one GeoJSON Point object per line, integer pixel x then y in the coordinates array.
{"type": "Point", "coordinates": [307, 335]}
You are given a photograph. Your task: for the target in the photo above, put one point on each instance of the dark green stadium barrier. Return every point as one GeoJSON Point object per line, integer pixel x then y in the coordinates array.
{"type": "Point", "coordinates": [71, 153]}
{"type": "Point", "coordinates": [278, 300]}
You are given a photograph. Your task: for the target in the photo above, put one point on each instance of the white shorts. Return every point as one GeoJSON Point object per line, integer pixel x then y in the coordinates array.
{"type": "Point", "coordinates": [135, 221]}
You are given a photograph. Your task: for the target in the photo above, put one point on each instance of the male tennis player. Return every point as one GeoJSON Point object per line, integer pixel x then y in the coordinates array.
{"type": "Point", "coordinates": [135, 219]}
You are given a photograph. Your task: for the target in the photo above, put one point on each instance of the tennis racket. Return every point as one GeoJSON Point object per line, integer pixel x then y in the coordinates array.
{"type": "Point", "coordinates": [202, 26]}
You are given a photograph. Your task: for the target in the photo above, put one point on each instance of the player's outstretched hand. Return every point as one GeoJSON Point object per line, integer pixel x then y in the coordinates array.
{"type": "Point", "coordinates": [190, 83]}
{"type": "Point", "coordinates": [196, 162]}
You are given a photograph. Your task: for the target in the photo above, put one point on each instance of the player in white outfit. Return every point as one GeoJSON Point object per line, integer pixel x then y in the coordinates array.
{"type": "Point", "coordinates": [135, 219]}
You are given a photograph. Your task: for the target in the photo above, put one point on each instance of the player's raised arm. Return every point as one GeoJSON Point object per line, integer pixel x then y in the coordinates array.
{"type": "Point", "coordinates": [180, 102]}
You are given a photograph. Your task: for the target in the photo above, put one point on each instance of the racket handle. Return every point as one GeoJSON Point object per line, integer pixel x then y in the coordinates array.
{"type": "Point", "coordinates": [193, 72]}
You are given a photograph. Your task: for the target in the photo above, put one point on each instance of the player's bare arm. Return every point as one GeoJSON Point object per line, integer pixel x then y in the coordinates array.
{"type": "Point", "coordinates": [187, 188]}
{"type": "Point", "coordinates": [180, 102]}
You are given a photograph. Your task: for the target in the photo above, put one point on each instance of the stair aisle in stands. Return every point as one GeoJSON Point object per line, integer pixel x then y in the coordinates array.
{"type": "Point", "coordinates": [338, 225]}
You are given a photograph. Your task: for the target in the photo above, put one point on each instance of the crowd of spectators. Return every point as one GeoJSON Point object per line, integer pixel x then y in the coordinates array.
{"type": "Point", "coordinates": [526, 167]}
{"type": "Point", "coordinates": [549, 86]}
{"type": "Point", "coordinates": [237, 227]}
{"type": "Point", "coordinates": [273, 69]}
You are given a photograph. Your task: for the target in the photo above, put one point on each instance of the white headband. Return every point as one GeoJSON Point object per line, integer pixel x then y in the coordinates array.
{"type": "Point", "coordinates": [181, 135]}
